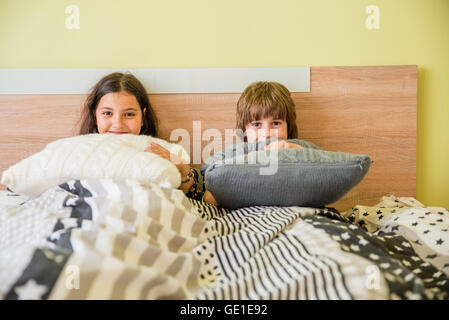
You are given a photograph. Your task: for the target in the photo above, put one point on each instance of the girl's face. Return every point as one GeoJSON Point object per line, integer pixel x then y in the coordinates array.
{"type": "Point", "coordinates": [265, 129]}
{"type": "Point", "coordinates": [119, 113]}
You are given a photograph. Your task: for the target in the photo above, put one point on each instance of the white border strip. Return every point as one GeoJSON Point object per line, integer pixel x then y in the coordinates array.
{"type": "Point", "coordinates": [195, 80]}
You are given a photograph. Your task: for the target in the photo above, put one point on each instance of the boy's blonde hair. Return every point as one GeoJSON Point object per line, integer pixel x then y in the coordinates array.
{"type": "Point", "coordinates": [263, 99]}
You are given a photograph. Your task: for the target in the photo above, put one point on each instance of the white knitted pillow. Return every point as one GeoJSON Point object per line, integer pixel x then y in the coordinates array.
{"type": "Point", "coordinates": [94, 156]}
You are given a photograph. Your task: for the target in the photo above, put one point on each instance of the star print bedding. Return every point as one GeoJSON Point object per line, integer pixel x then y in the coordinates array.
{"type": "Point", "coordinates": [119, 239]}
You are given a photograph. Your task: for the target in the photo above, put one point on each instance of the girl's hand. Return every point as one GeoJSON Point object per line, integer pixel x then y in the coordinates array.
{"type": "Point", "coordinates": [282, 144]}
{"type": "Point", "coordinates": [183, 167]}
{"type": "Point", "coordinates": [209, 198]}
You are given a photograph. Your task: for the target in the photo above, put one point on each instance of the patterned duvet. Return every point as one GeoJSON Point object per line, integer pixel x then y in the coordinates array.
{"type": "Point", "coordinates": [106, 239]}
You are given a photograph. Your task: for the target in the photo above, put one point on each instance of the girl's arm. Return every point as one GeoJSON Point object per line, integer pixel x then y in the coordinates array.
{"type": "Point", "coordinates": [192, 182]}
{"type": "Point", "coordinates": [187, 177]}
{"type": "Point", "coordinates": [209, 198]}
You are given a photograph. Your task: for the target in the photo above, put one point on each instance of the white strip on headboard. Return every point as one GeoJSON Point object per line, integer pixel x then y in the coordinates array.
{"type": "Point", "coordinates": [195, 80]}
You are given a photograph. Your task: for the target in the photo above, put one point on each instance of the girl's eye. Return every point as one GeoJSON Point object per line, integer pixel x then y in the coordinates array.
{"type": "Point", "coordinates": [130, 114]}
{"type": "Point", "coordinates": [255, 124]}
{"type": "Point", "coordinates": [106, 113]}
{"type": "Point", "coordinates": [277, 123]}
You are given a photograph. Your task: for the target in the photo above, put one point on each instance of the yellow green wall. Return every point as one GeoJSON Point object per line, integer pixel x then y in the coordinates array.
{"type": "Point", "coordinates": [249, 33]}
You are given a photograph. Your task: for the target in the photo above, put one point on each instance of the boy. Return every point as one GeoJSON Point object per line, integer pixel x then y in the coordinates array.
{"type": "Point", "coordinates": [265, 110]}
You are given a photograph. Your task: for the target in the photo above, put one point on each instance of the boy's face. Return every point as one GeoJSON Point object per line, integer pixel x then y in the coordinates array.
{"type": "Point", "coordinates": [118, 113]}
{"type": "Point", "coordinates": [265, 129]}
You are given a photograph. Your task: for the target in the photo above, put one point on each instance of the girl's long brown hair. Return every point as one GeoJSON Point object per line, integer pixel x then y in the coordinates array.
{"type": "Point", "coordinates": [116, 82]}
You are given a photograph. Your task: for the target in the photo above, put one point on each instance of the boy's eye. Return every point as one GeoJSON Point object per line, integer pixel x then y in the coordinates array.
{"type": "Point", "coordinates": [255, 124]}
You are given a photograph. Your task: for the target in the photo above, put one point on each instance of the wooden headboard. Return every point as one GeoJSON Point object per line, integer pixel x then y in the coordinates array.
{"type": "Point", "coordinates": [367, 109]}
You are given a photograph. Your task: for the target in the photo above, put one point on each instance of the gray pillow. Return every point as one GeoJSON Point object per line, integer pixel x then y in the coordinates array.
{"type": "Point", "coordinates": [245, 175]}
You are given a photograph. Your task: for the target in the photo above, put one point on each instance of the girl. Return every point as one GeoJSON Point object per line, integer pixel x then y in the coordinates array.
{"type": "Point", "coordinates": [119, 104]}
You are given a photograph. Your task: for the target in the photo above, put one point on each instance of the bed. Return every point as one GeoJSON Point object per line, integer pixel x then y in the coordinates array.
{"type": "Point", "coordinates": [107, 239]}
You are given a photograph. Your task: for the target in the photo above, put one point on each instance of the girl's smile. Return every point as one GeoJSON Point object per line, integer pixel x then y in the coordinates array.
{"type": "Point", "coordinates": [119, 113]}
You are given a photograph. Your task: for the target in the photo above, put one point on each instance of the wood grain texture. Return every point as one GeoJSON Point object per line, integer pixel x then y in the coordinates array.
{"type": "Point", "coordinates": [367, 110]}
{"type": "Point", "coordinates": [370, 110]}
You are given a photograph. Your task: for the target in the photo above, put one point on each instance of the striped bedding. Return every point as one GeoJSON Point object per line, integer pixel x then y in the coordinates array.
{"type": "Point", "coordinates": [111, 239]}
